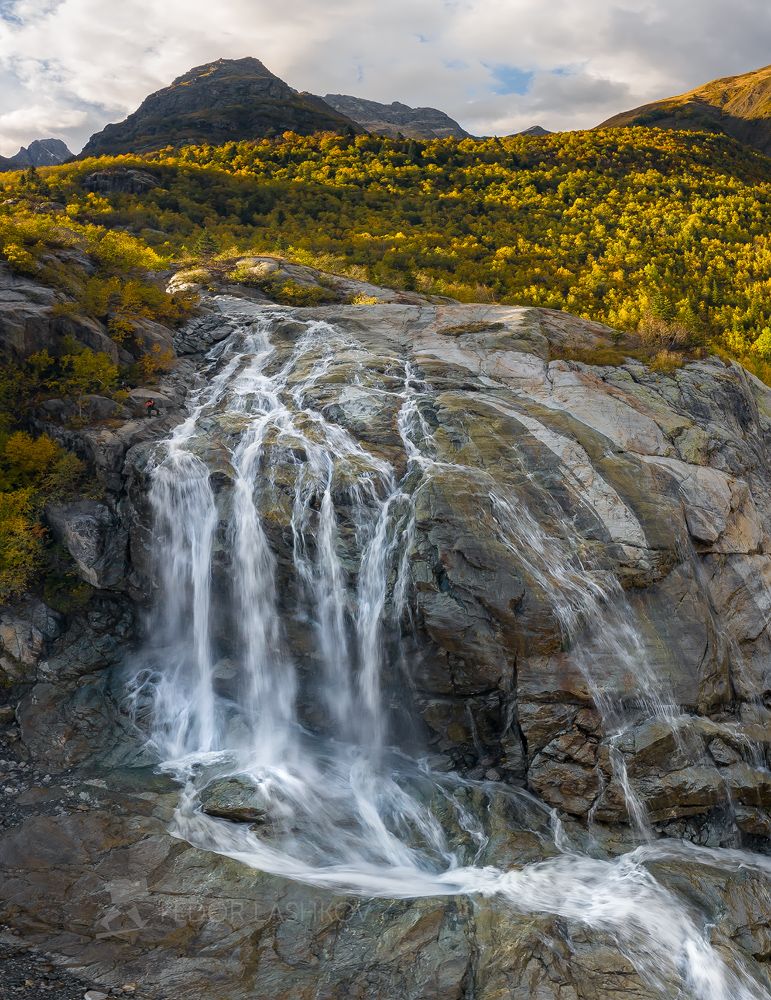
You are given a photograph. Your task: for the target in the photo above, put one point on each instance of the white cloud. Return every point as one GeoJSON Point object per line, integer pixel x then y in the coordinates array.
{"type": "Point", "coordinates": [32, 120]}
{"type": "Point", "coordinates": [69, 66]}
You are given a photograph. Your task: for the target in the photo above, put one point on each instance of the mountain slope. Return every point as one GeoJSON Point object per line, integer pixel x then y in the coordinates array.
{"type": "Point", "coordinates": [39, 153]}
{"type": "Point", "coordinates": [739, 106]}
{"type": "Point", "coordinates": [227, 100]}
{"type": "Point", "coordinates": [394, 119]}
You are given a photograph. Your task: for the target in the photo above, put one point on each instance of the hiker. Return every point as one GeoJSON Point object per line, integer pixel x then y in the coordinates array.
{"type": "Point", "coordinates": [151, 410]}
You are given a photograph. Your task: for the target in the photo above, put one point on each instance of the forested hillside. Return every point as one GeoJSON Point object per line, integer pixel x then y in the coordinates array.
{"type": "Point", "coordinates": [617, 226]}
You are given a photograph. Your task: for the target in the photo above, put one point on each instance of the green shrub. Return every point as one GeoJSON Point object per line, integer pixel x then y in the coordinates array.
{"type": "Point", "coordinates": [88, 371]}
{"type": "Point", "coordinates": [21, 542]}
{"type": "Point", "coordinates": [30, 458]}
{"type": "Point", "coordinates": [464, 328]}
{"type": "Point", "coordinates": [33, 472]}
{"type": "Point", "coordinates": [601, 355]}
{"type": "Point", "coordinates": [290, 293]}
{"type": "Point", "coordinates": [157, 361]}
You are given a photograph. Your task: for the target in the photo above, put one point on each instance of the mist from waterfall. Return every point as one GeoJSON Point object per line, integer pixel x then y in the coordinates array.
{"type": "Point", "coordinates": [344, 807]}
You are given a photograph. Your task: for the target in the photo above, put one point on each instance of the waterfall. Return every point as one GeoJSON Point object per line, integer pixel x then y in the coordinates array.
{"type": "Point", "coordinates": [227, 697]}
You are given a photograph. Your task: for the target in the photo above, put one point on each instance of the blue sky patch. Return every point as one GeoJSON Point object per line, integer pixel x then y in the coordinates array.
{"type": "Point", "coordinates": [511, 79]}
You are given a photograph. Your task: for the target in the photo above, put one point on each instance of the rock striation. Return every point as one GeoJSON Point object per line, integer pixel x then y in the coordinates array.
{"type": "Point", "coordinates": [658, 480]}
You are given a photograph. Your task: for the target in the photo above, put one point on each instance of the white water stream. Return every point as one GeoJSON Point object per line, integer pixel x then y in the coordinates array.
{"type": "Point", "coordinates": [343, 809]}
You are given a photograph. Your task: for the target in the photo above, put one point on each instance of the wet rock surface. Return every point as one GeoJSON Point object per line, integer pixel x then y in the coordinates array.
{"type": "Point", "coordinates": [660, 480]}
{"type": "Point", "coordinates": [233, 799]}
{"type": "Point", "coordinates": [95, 882]}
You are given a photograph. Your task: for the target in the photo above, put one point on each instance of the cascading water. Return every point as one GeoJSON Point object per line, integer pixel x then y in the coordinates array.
{"type": "Point", "coordinates": [342, 808]}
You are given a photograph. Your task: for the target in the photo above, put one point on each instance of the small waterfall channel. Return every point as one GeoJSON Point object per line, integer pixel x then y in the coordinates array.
{"type": "Point", "coordinates": [218, 689]}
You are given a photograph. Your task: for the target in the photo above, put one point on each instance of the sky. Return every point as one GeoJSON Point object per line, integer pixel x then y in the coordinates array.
{"type": "Point", "coordinates": [67, 67]}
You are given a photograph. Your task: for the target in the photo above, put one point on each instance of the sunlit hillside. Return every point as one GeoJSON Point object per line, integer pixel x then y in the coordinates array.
{"type": "Point", "coordinates": [622, 226]}
{"type": "Point", "coordinates": [739, 106]}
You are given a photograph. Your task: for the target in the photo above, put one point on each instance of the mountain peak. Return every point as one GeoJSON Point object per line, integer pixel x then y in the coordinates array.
{"type": "Point", "coordinates": [222, 101]}
{"type": "Point", "coordinates": [535, 130]}
{"type": "Point", "coordinates": [39, 153]}
{"type": "Point", "coordinates": [396, 118]}
{"type": "Point", "coordinates": [248, 66]}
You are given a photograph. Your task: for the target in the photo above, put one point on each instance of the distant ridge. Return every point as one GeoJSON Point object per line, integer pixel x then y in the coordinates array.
{"type": "Point", "coordinates": [397, 119]}
{"type": "Point", "coordinates": [535, 130]}
{"type": "Point", "coordinates": [39, 153]}
{"type": "Point", "coordinates": [223, 101]}
{"type": "Point", "coordinates": [739, 106]}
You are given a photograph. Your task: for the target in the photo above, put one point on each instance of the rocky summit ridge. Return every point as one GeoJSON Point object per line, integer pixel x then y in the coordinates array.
{"type": "Point", "coordinates": [222, 101]}
{"type": "Point", "coordinates": [397, 119]}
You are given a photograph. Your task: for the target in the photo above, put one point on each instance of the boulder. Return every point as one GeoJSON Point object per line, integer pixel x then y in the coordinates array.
{"type": "Point", "coordinates": [25, 314]}
{"type": "Point", "coordinates": [93, 537]}
{"type": "Point", "coordinates": [119, 180]}
{"type": "Point", "coordinates": [89, 407]}
{"type": "Point", "coordinates": [138, 398]}
{"type": "Point", "coordinates": [152, 337]}
{"type": "Point", "coordinates": [235, 799]}
{"type": "Point", "coordinates": [30, 323]}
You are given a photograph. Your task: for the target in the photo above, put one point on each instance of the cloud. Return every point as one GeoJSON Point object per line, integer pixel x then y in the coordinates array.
{"type": "Point", "coordinates": [32, 120]}
{"type": "Point", "coordinates": [67, 67]}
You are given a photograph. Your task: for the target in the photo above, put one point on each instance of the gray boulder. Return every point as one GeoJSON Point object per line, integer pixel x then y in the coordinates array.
{"type": "Point", "coordinates": [93, 537]}
{"type": "Point", "coordinates": [235, 799]}
{"type": "Point", "coordinates": [119, 181]}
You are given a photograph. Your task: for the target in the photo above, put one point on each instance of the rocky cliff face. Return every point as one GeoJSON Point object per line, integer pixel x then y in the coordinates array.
{"type": "Point", "coordinates": [223, 101]}
{"type": "Point", "coordinates": [32, 318]}
{"type": "Point", "coordinates": [657, 480]}
{"type": "Point", "coordinates": [396, 119]}
{"type": "Point", "coordinates": [555, 503]}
